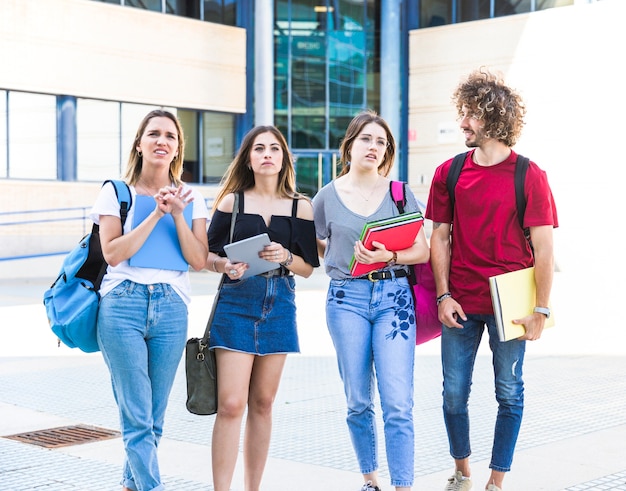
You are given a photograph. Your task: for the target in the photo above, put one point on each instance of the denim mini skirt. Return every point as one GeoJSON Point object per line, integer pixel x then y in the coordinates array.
{"type": "Point", "coordinates": [256, 315]}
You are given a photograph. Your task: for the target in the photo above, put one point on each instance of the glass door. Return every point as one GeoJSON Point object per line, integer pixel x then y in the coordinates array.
{"type": "Point", "coordinates": [314, 170]}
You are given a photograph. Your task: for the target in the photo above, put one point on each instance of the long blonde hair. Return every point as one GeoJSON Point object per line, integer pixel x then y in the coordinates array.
{"type": "Point", "coordinates": [135, 160]}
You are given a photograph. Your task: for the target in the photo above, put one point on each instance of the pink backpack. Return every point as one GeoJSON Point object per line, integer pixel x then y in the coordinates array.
{"type": "Point", "coordinates": [423, 285]}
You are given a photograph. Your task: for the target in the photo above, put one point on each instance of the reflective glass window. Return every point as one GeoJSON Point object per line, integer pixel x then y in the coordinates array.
{"type": "Point", "coordinates": [326, 66]}
{"type": "Point", "coordinates": [221, 11]}
{"type": "Point", "coordinates": [184, 8]}
{"type": "Point", "coordinates": [507, 7]}
{"type": "Point", "coordinates": [99, 155]}
{"type": "Point", "coordinates": [435, 13]}
{"type": "Point", "coordinates": [548, 4]}
{"type": "Point", "coordinates": [154, 5]}
{"type": "Point", "coordinates": [468, 10]}
{"type": "Point", "coordinates": [3, 134]}
{"type": "Point", "coordinates": [218, 145]}
{"type": "Point", "coordinates": [189, 122]}
{"type": "Point", "coordinates": [32, 130]}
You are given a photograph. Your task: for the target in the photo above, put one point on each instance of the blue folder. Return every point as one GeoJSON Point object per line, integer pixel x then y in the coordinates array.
{"type": "Point", "coordinates": [161, 250]}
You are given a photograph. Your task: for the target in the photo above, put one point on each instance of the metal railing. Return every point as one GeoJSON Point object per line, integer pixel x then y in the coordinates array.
{"type": "Point", "coordinates": [29, 234]}
{"type": "Point", "coordinates": [38, 233]}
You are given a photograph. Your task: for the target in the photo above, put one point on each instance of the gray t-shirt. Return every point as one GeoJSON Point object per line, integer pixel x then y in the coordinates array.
{"type": "Point", "coordinates": [341, 227]}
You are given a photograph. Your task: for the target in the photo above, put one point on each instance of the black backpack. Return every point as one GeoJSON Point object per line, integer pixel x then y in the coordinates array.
{"type": "Point", "coordinates": [521, 167]}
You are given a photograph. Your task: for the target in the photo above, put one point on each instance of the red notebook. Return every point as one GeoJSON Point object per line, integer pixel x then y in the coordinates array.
{"type": "Point", "coordinates": [396, 233]}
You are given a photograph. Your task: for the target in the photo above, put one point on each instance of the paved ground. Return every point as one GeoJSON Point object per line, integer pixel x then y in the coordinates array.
{"type": "Point", "coordinates": [573, 436]}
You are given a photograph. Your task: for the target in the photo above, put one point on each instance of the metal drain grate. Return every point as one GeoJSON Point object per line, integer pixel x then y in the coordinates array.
{"type": "Point", "coordinates": [65, 436]}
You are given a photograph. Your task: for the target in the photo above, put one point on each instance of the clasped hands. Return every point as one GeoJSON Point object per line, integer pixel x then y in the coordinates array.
{"type": "Point", "coordinates": [172, 199]}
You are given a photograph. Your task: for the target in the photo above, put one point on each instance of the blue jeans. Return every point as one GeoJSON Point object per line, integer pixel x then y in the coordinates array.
{"type": "Point", "coordinates": [458, 354]}
{"type": "Point", "coordinates": [372, 325]}
{"type": "Point", "coordinates": [142, 330]}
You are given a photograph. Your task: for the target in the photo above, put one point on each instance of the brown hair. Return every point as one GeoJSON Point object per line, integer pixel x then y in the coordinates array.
{"type": "Point", "coordinates": [489, 100]}
{"type": "Point", "coordinates": [239, 176]}
{"type": "Point", "coordinates": [354, 130]}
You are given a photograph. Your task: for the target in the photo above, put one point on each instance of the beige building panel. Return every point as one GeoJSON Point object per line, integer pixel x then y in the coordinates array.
{"type": "Point", "coordinates": [566, 63]}
{"type": "Point", "coordinates": [95, 50]}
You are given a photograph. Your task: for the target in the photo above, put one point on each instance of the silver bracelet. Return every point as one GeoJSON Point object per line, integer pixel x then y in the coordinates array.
{"type": "Point", "coordinates": [442, 297]}
{"type": "Point", "coordinates": [213, 266]}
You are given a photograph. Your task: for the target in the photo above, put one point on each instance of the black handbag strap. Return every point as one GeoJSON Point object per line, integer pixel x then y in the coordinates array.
{"type": "Point", "coordinates": [207, 330]}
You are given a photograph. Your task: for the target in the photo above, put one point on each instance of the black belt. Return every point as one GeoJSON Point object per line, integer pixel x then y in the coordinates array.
{"type": "Point", "coordinates": [384, 275]}
{"type": "Point", "coordinates": [276, 272]}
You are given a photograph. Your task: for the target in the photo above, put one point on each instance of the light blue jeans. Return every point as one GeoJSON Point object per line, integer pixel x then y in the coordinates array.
{"type": "Point", "coordinates": [458, 354]}
{"type": "Point", "coordinates": [142, 330]}
{"type": "Point", "coordinates": [372, 325]}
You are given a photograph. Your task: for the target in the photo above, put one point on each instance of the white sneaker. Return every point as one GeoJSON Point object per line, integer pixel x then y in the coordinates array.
{"type": "Point", "coordinates": [493, 487]}
{"type": "Point", "coordinates": [458, 483]}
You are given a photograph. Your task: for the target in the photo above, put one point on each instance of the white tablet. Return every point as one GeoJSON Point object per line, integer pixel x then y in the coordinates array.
{"type": "Point", "coordinates": [247, 251]}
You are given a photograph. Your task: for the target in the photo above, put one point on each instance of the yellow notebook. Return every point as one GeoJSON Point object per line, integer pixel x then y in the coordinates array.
{"type": "Point", "coordinates": [513, 297]}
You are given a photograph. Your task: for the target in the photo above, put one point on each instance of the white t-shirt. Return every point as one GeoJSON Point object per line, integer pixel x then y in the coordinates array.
{"type": "Point", "coordinates": [107, 204]}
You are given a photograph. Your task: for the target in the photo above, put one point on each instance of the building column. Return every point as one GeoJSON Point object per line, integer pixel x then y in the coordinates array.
{"type": "Point", "coordinates": [263, 62]}
{"type": "Point", "coordinates": [390, 75]}
{"type": "Point", "coordinates": [67, 161]}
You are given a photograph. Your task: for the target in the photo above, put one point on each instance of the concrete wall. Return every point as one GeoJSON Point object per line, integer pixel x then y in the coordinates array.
{"type": "Point", "coordinates": [567, 63]}
{"type": "Point", "coordinates": [102, 51]}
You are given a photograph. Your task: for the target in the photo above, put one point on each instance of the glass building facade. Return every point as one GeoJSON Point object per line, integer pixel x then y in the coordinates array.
{"type": "Point", "coordinates": [326, 67]}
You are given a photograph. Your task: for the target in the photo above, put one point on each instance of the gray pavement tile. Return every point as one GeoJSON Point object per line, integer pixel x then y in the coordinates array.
{"type": "Point", "coordinates": [566, 397]}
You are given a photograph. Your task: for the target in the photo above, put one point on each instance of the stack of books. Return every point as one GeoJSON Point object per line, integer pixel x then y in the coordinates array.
{"type": "Point", "coordinates": [396, 233]}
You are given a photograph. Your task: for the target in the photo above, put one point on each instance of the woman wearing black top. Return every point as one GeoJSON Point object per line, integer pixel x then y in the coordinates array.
{"type": "Point", "coordinates": [255, 320]}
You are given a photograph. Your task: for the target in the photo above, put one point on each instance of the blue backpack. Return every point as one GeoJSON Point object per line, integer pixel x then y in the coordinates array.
{"type": "Point", "coordinates": [73, 299]}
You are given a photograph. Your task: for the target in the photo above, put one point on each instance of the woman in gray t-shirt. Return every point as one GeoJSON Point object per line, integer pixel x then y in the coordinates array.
{"type": "Point", "coordinates": [371, 318]}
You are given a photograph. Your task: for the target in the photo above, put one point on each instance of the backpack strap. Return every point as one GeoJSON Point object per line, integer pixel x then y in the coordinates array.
{"type": "Point", "coordinates": [396, 188]}
{"type": "Point", "coordinates": [521, 167]}
{"type": "Point", "coordinates": [454, 173]}
{"type": "Point", "coordinates": [124, 198]}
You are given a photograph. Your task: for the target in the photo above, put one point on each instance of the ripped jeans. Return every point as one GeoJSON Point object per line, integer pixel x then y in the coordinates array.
{"type": "Point", "coordinates": [458, 354]}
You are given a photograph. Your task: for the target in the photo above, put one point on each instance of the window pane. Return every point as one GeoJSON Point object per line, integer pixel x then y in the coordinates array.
{"type": "Point", "coordinates": [473, 10]}
{"type": "Point", "coordinates": [230, 12]}
{"type": "Point", "coordinates": [3, 134]}
{"type": "Point", "coordinates": [154, 5]}
{"type": "Point", "coordinates": [32, 146]}
{"type": "Point", "coordinates": [548, 4]}
{"type": "Point", "coordinates": [184, 8]}
{"type": "Point", "coordinates": [221, 11]}
{"type": "Point", "coordinates": [98, 140]}
{"type": "Point", "coordinates": [505, 7]}
{"type": "Point", "coordinates": [218, 144]}
{"type": "Point", "coordinates": [189, 122]}
{"type": "Point", "coordinates": [347, 71]}
{"type": "Point", "coordinates": [308, 131]}
{"type": "Point", "coordinates": [435, 13]}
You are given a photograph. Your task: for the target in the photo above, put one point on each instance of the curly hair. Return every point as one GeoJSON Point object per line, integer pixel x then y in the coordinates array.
{"type": "Point", "coordinates": [240, 177]}
{"type": "Point", "coordinates": [489, 100]}
{"type": "Point", "coordinates": [354, 130]}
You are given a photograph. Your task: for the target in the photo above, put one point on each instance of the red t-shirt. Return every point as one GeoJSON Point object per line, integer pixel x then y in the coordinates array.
{"type": "Point", "coordinates": [486, 237]}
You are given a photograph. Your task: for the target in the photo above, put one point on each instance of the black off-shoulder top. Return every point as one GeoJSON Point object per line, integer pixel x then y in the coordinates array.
{"type": "Point", "coordinates": [296, 234]}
